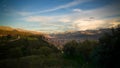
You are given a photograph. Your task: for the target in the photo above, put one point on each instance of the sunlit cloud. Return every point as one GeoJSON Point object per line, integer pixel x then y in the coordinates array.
{"type": "Point", "coordinates": [88, 25]}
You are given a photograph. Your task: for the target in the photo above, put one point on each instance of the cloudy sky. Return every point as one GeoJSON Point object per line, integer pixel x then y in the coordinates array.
{"type": "Point", "coordinates": [59, 15]}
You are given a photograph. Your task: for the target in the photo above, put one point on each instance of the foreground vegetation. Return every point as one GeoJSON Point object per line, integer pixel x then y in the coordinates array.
{"type": "Point", "coordinates": [32, 51]}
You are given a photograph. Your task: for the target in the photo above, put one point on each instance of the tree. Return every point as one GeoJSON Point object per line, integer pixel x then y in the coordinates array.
{"type": "Point", "coordinates": [70, 48]}
{"type": "Point", "coordinates": [107, 55]}
{"type": "Point", "coordinates": [15, 52]}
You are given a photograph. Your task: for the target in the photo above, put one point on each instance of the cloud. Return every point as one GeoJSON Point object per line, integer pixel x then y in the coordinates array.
{"type": "Point", "coordinates": [64, 24]}
{"type": "Point", "coordinates": [77, 10]}
{"type": "Point", "coordinates": [102, 12]}
{"type": "Point", "coordinates": [38, 19]}
{"type": "Point", "coordinates": [47, 19]}
{"type": "Point", "coordinates": [88, 25]}
{"type": "Point", "coordinates": [79, 19]}
{"type": "Point", "coordinates": [23, 13]}
{"type": "Point", "coordinates": [76, 2]}
{"type": "Point", "coordinates": [71, 4]}
{"type": "Point", "coordinates": [65, 20]}
{"type": "Point", "coordinates": [114, 22]}
{"type": "Point", "coordinates": [106, 11]}
{"type": "Point", "coordinates": [95, 24]}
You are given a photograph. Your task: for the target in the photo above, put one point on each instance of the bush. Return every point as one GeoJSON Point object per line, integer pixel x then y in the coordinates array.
{"type": "Point", "coordinates": [107, 54]}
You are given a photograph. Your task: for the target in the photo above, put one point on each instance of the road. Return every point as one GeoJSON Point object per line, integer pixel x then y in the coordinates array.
{"type": "Point", "coordinates": [15, 39]}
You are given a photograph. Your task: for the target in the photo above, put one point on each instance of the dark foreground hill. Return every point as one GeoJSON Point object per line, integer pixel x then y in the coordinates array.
{"type": "Point", "coordinates": [21, 49]}
{"type": "Point", "coordinates": [33, 51]}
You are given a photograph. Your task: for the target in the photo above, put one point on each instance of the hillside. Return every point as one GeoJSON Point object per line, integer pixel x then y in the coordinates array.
{"type": "Point", "coordinates": [5, 30]}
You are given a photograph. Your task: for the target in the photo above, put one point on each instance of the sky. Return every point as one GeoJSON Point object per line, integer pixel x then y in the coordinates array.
{"type": "Point", "coordinates": [54, 16]}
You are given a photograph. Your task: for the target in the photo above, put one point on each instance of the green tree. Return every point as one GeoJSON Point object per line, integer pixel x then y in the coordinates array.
{"type": "Point", "coordinates": [107, 54]}
{"type": "Point", "coordinates": [70, 48]}
{"type": "Point", "coordinates": [15, 52]}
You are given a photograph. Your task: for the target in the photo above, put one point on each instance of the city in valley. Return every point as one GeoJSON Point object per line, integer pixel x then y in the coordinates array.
{"type": "Point", "coordinates": [59, 34]}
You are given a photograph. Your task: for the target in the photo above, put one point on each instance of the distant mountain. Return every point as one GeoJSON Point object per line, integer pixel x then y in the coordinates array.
{"type": "Point", "coordinates": [82, 35]}
{"type": "Point", "coordinates": [79, 35]}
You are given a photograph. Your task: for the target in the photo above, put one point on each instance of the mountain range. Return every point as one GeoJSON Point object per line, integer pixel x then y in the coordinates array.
{"type": "Point", "coordinates": [82, 35]}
